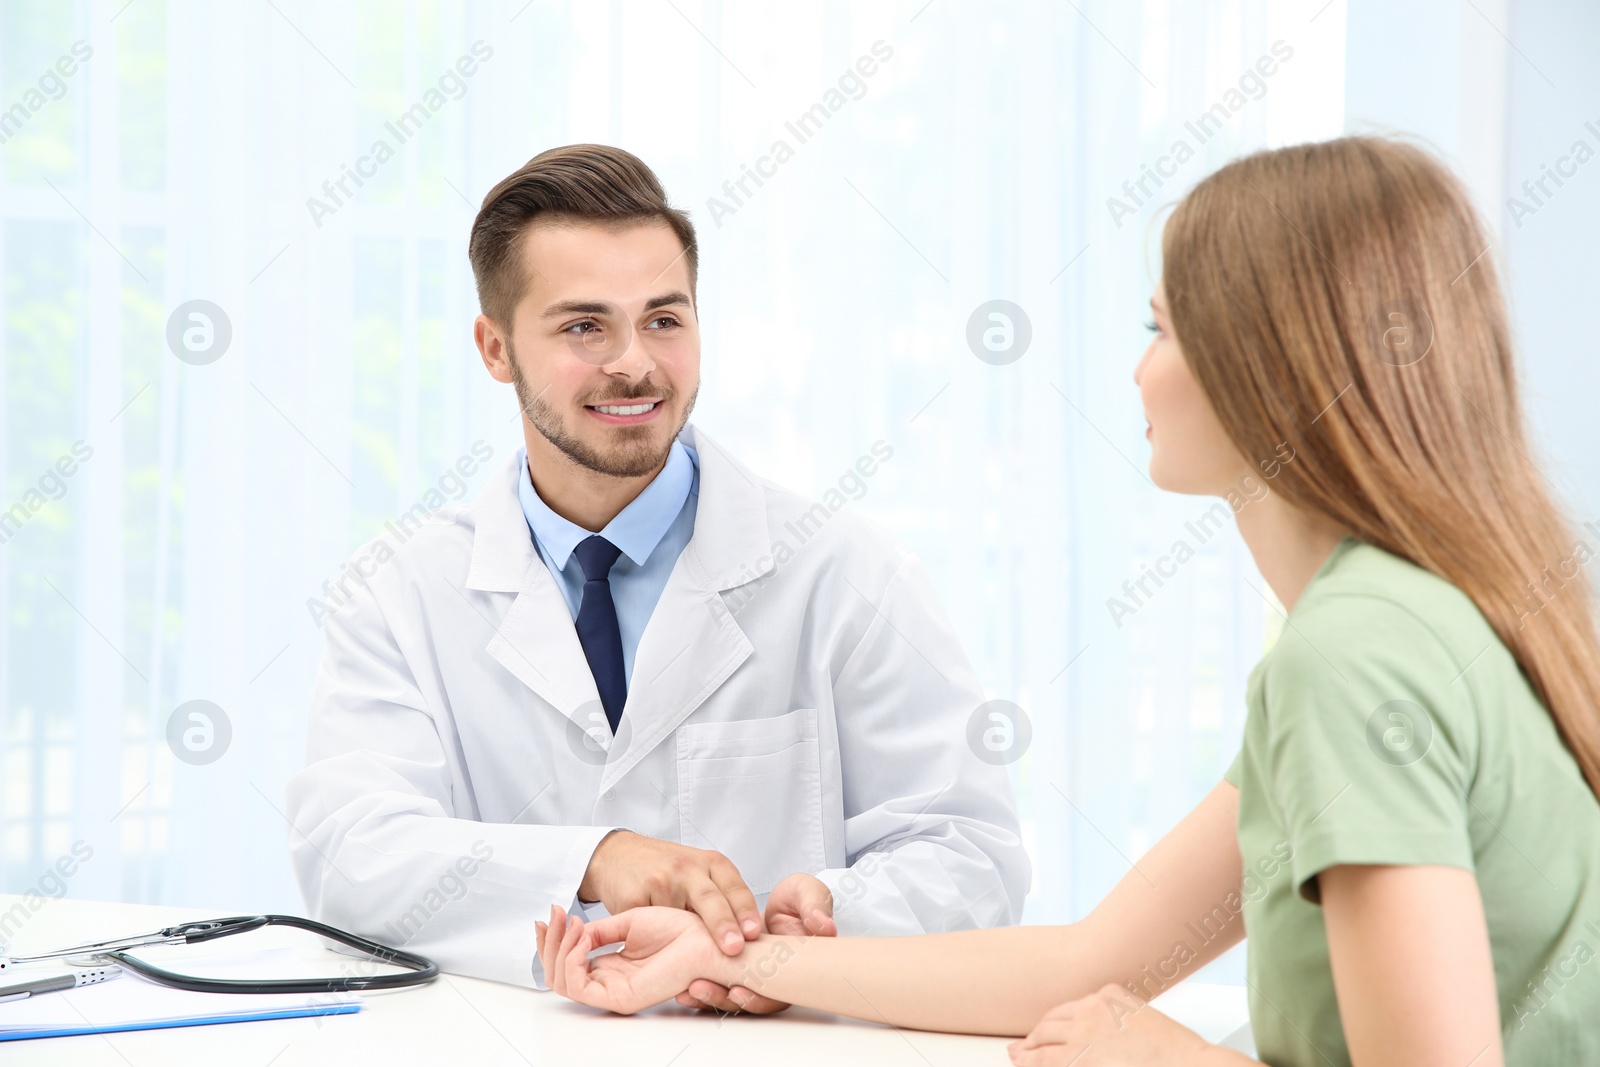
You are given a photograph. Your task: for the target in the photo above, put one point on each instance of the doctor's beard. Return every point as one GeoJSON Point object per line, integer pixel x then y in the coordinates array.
{"type": "Point", "coordinates": [633, 455]}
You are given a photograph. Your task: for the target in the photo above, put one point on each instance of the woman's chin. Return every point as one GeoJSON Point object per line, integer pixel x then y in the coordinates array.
{"type": "Point", "coordinates": [1164, 477]}
{"type": "Point", "coordinates": [1184, 482]}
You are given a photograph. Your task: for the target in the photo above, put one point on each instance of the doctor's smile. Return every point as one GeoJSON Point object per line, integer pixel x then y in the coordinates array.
{"type": "Point", "coordinates": [943, 608]}
{"type": "Point", "coordinates": [625, 414]}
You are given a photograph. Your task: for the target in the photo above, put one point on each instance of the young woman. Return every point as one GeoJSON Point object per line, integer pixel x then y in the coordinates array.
{"type": "Point", "coordinates": [1410, 833]}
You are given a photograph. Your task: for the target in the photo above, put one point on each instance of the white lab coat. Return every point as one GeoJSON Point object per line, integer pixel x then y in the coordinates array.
{"type": "Point", "coordinates": [798, 702]}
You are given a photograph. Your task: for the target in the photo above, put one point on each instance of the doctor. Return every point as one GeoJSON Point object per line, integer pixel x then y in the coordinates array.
{"type": "Point", "coordinates": [633, 672]}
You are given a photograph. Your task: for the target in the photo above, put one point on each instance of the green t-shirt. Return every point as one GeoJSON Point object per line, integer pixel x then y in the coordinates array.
{"type": "Point", "coordinates": [1390, 725]}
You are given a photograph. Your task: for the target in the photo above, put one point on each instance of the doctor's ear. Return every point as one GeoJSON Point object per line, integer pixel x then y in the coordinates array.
{"type": "Point", "coordinates": [494, 345]}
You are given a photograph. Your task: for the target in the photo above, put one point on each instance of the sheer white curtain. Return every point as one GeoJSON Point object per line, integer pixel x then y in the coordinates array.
{"type": "Point", "coordinates": [935, 157]}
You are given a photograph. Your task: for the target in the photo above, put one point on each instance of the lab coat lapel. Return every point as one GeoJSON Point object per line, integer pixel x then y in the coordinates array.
{"type": "Point", "coordinates": [536, 640]}
{"type": "Point", "coordinates": [692, 643]}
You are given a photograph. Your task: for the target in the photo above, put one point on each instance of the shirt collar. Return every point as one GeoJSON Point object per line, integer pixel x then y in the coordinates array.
{"type": "Point", "coordinates": [637, 528]}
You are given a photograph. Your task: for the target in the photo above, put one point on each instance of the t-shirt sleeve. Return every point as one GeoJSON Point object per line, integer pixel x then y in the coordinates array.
{"type": "Point", "coordinates": [1371, 740]}
{"type": "Point", "coordinates": [1231, 775]}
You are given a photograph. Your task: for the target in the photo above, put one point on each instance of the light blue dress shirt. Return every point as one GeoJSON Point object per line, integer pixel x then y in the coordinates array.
{"type": "Point", "coordinates": [651, 531]}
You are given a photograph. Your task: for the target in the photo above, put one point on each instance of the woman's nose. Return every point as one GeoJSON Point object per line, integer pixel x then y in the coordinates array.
{"type": "Point", "coordinates": [1138, 368]}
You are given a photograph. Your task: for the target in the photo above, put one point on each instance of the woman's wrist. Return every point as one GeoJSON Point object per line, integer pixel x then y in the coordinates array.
{"type": "Point", "coordinates": [758, 963]}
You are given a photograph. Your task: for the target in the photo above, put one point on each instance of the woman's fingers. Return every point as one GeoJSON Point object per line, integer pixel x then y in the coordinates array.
{"type": "Point", "coordinates": [544, 944]}
{"type": "Point", "coordinates": [1049, 1032]}
{"type": "Point", "coordinates": [558, 977]}
{"type": "Point", "coordinates": [564, 946]}
{"type": "Point", "coordinates": [610, 930]}
{"type": "Point", "coordinates": [644, 969]}
{"type": "Point", "coordinates": [583, 984]}
{"type": "Point", "coordinates": [552, 944]}
{"type": "Point", "coordinates": [552, 940]}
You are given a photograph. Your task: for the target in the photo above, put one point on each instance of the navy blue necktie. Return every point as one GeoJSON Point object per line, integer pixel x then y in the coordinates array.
{"type": "Point", "coordinates": [597, 625]}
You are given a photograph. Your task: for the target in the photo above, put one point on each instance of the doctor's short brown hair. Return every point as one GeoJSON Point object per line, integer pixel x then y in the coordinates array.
{"type": "Point", "coordinates": [593, 183]}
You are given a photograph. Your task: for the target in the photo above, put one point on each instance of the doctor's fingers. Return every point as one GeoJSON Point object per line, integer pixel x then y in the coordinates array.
{"type": "Point", "coordinates": [750, 1002]}
{"type": "Point", "coordinates": [710, 902]}
{"type": "Point", "coordinates": [802, 917]}
{"type": "Point", "coordinates": [746, 911]}
{"type": "Point", "coordinates": [707, 995]}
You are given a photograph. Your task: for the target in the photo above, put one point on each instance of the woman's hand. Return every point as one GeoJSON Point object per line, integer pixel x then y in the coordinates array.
{"type": "Point", "coordinates": [1109, 1029]}
{"type": "Point", "coordinates": [664, 950]}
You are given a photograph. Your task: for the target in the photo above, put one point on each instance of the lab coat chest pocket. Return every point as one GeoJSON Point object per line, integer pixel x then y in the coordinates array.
{"type": "Point", "coordinates": [752, 790]}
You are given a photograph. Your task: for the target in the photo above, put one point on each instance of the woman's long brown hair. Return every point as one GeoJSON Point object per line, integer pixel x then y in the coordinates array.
{"type": "Point", "coordinates": [1340, 297]}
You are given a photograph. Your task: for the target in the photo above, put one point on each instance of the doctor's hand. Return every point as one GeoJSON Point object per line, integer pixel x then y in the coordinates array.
{"type": "Point", "coordinates": [629, 870]}
{"type": "Point", "coordinates": [664, 950]}
{"type": "Point", "coordinates": [801, 905]}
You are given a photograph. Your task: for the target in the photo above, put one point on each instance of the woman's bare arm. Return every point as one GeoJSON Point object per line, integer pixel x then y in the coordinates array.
{"type": "Point", "coordinates": [1412, 968]}
{"type": "Point", "coordinates": [1184, 891]}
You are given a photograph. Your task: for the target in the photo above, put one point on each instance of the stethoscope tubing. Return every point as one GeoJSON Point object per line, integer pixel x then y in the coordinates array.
{"type": "Point", "coordinates": [419, 969]}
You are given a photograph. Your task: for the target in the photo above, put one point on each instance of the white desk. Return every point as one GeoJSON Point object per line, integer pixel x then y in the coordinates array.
{"type": "Point", "coordinates": [467, 1021]}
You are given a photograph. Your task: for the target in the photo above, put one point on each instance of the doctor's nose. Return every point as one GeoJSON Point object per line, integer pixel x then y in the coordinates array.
{"type": "Point", "coordinates": [634, 361]}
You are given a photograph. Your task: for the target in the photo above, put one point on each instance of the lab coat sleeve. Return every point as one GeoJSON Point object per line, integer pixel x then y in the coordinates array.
{"type": "Point", "coordinates": [932, 840]}
{"type": "Point", "coordinates": [377, 840]}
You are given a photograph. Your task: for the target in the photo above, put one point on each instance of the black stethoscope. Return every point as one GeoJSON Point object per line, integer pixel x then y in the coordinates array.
{"type": "Point", "coordinates": [419, 970]}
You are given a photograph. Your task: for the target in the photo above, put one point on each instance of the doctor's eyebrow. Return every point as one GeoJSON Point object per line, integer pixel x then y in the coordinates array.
{"type": "Point", "coordinates": [666, 300]}
{"type": "Point", "coordinates": [577, 307]}
{"type": "Point", "coordinates": [601, 307]}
